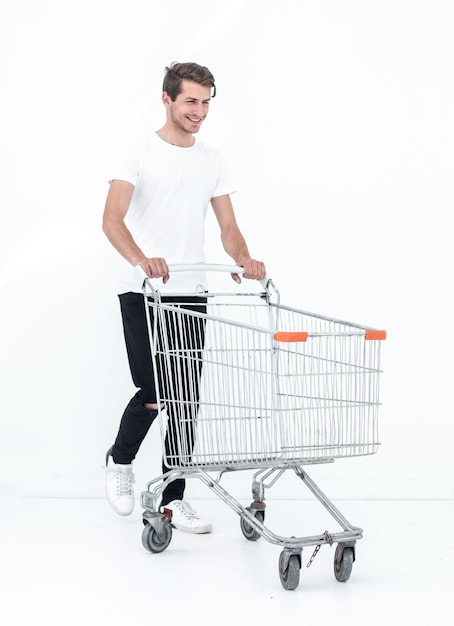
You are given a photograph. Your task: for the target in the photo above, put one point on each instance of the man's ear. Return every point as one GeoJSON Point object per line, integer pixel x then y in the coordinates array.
{"type": "Point", "coordinates": [166, 98]}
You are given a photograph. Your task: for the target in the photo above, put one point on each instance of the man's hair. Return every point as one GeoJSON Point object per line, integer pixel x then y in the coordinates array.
{"type": "Point", "coordinates": [178, 72]}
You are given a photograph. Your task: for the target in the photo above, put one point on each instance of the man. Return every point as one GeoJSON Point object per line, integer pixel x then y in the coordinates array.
{"type": "Point", "coordinates": [160, 189]}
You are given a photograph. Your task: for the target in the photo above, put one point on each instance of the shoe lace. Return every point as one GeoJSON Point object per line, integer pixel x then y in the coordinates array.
{"type": "Point", "coordinates": [188, 511]}
{"type": "Point", "coordinates": [125, 482]}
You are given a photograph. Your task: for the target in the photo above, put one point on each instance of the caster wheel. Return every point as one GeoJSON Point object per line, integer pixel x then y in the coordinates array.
{"type": "Point", "coordinates": [152, 542]}
{"type": "Point", "coordinates": [248, 531]}
{"type": "Point", "coordinates": [343, 563]}
{"type": "Point", "coordinates": [290, 578]}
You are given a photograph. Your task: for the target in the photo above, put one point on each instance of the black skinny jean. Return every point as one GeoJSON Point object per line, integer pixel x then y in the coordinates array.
{"type": "Point", "coordinates": [178, 386]}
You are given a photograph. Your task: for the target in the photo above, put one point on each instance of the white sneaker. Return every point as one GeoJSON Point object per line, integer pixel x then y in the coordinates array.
{"type": "Point", "coordinates": [183, 517]}
{"type": "Point", "coordinates": [119, 486]}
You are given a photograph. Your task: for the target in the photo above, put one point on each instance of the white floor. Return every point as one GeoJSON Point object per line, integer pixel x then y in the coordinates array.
{"type": "Point", "coordinates": [74, 562]}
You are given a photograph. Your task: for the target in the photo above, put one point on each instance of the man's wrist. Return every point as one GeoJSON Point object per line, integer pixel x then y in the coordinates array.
{"type": "Point", "coordinates": [138, 260]}
{"type": "Point", "coordinates": [242, 260]}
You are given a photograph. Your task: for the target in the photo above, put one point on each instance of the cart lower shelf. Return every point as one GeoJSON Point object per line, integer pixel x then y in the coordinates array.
{"type": "Point", "coordinates": [157, 531]}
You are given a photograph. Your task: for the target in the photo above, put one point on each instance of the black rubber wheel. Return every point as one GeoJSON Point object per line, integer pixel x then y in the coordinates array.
{"type": "Point", "coordinates": [343, 566]}
{"type": "Point", "coordinates": [290, 578]}
{"type": "Point", "coordinates": [151, 541]}
{"type": "Point", "coordinates": [249, 531]}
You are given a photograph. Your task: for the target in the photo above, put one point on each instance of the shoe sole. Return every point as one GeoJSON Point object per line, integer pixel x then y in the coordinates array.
{"type": "Point", "coordinates": [203, 530]}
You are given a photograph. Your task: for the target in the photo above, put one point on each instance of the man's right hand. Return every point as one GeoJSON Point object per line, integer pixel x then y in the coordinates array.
{"type": "Point", "coordinates": [155, 268]}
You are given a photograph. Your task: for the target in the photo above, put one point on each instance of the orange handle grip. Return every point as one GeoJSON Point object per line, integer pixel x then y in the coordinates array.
{"type": "Point", "coordinates": [290, 337]}
{"type": "Point", "coordinates": [377, 335]}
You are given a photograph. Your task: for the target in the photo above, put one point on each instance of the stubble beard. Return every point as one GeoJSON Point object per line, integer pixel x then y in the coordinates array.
{"type": "Point", "coordinates": [180, 125]}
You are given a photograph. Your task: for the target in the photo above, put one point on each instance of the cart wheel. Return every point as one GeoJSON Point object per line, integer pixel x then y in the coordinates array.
{"type": "Point", "coordinates": [343, 563]}
{"type": "Point", "coordinates": [249, 531]}
{"type": "Point", "coordinates": [290, 578]}
{"type": "Point", "coordinates": [151, 541]}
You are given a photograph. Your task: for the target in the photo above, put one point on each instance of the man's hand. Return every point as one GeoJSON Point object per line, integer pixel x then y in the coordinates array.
{"type": "Point", "coordinates": [253, 269]}
{"type": "Point", "coordinates": [155, 268]}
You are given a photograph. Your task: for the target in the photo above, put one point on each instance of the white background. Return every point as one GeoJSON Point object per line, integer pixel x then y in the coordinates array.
{"type": "Point", "coordinates": [337, 118]}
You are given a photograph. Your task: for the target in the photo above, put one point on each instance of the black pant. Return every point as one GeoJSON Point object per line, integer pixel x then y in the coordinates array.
{"type": "Point", "coordinates": [178, 377]}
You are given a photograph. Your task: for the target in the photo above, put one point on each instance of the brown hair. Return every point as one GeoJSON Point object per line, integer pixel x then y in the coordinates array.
{"type": "Point", "coordinates": [178, 72]}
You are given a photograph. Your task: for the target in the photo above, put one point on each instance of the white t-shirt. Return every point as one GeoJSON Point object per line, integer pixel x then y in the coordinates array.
{"type": "Point", "coordinates": [173, 187]}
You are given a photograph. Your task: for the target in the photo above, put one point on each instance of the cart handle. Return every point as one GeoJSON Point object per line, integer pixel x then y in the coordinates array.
{"type": "Point", "coordinates": [204, 267]}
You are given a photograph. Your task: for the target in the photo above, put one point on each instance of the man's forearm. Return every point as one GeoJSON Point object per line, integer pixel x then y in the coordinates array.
{"type": "Point", "coordinates": [122, 240]}
{"type": "Point", "coordinates": [235, 246]}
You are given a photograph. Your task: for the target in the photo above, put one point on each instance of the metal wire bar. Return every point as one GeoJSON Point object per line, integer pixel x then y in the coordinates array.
{"type": "Point", "coordinates": [235, 397]}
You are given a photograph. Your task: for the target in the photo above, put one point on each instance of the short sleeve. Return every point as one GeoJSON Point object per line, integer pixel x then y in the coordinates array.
{"type": "Point", "coordinates": [224, 180]}
{"type": "Point", "coordinates": [126, 163]}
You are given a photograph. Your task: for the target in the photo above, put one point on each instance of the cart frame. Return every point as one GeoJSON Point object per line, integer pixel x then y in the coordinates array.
{"type": "Point", "coordinates": [351, 395]}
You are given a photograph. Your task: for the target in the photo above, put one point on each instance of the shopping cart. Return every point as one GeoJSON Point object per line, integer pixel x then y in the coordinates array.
{"type": "Point", "coordinates": [246, 383]}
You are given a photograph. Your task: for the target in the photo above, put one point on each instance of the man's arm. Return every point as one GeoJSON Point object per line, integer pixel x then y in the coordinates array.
{"type": "Point", "coordinates": [233, 240]}
{"type": "Point", "coordinates": [114, 227]}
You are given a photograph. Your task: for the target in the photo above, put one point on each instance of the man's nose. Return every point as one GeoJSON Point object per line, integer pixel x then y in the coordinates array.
{"type": "Point", "coordinates": [199, 110]}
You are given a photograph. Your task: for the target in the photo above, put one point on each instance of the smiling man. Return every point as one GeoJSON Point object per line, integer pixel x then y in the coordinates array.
{"type": "Point", "coordinates": [186, 110]}
{"type": "Point", "coordinates": [161, 186]}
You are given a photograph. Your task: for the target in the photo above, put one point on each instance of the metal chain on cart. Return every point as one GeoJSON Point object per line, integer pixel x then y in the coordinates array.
{"type": "Point", "coordinates": [318, 546]}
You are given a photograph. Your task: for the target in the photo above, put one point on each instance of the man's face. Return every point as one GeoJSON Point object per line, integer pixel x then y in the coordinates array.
{"type": "Point", "coordinates": [190, 108]}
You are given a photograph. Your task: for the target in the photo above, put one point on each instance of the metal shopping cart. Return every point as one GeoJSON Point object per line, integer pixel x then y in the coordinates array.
{"type": "Point", "coordinates": [246, 383]}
